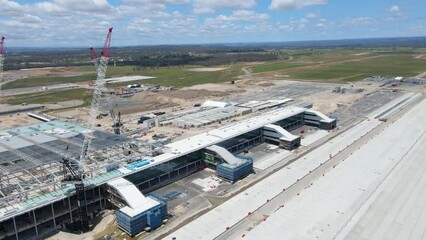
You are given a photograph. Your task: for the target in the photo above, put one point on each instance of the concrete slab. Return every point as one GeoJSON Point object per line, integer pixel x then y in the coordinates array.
{"type": "Point", "coordinates": [215, 222]}
{"type": "Point", "coordinates": [313, 137]}
{"type": "Point", "coordinates": [268, 159]}
{"type": "Point", "coordinates": [207, 184]}
{"type": "Point", "coordinates": [376, 193]}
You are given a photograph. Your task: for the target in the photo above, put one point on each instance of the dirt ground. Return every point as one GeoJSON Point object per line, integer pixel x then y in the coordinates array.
{"type": "Point", "coordinates": [16, 120]}
{"type": "Point", "coordinates": [206, 69]}
{"type": "Point", "coordinates": [327, 104]}
{"type": "Point", "coordinates": [38, 72]}
{"type": "Point", "coordinates": [421, 75]}
{"type": "Point", "coordinates": [224, 87]}
{"type": "Point", "coordinates": [192, 94]}
{"type": "Point", "coordinates": [154, 101]}
{"type": "Point", "coordinates": [107, 219]}
{"type": "Point", "coordinates": [421, 56]}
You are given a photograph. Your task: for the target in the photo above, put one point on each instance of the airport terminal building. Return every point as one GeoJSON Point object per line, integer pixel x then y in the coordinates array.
{"type": "Point", "coordinates": [221, 149]}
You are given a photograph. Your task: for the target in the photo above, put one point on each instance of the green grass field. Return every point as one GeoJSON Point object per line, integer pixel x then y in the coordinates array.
{"type": "Point", "coordinates": [395, 62]}
{"type": "Point", "coordinates": [50, 97]}
{"type": "Point", "coordinates": [47, 81]}
{"type": "Point", "coordinates": [309, 58]}
{"type": "Point", "coordinates": [393, 65]}
{"type": "Point", "coordinates": [173, 76]}
{"type": "Point", "coordinates": [178, 77]}
{"type": "Point", "coordinates": [277, 66]}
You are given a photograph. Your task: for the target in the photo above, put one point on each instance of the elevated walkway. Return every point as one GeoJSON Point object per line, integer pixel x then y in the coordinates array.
{"type": "Point", "coordinates": [318, 119]}
{"type": "Point", "coordinates": [225, 155]}
{"type": "Point", "coordinates": [141, 213]}
{"type": "Point", "coordinates": [130, 194]}
{"type": "Point", "coordinates": [281, 136]}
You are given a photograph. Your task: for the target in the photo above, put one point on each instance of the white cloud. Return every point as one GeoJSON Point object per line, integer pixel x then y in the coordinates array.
{"type": "Point", "coordinates": [239, 22]}
{"type": "Point", "coordinates": [210, 6]}
{"type": "Point", "coordinates": [397, 14]}
{"type": "Point", "coordinates": [176, 25]}
{"type": "Point", "coordinates": [294, 4]}
{"type": "Point", "coordinates": [358, 21]}
{"type": "Point", "coordinates": [286, 27]}
{"type": "Point", "coordinates": [240, 15]}
{"type": "Point", "coordinates": [85, 5]}
{"type": "Point", "coordinates": [312, 15]}
{"type": "Point", "coordinates": [28, 18]}
{"type": "Point", "coordinates": [394, 9]}
{"type": "Point", "coordinates": [48, 7]}
{"type": "Point", "coordinates": [320, 25]}
{"type": "Point", "coordinates": [10, 8]}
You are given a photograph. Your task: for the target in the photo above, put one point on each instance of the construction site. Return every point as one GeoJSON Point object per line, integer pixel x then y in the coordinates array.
{"type": "Point", "coordinates": [299, 160]}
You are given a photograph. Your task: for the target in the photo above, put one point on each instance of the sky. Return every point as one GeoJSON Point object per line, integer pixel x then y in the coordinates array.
{"type": "Point", "coordinates": [68, 23]}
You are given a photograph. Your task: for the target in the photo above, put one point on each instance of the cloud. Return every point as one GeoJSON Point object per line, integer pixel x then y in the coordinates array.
{"type": "Point", "coordinates": [210, 6]}
{"type": "Point", "coordinates": [286, 27]}
{"type": "Point", "coordinates": [287, 5]}
{"type": "Point", "coordinates": [397, 14]}
{"type": "Point", "coordinates": [312, 15]}
{"type": "Point", "coordinates": [240, 15]}
{"type": "Point", "coordinates": [239, 22]}
{"type": "Point", "coordinates": [10, 8]}
{"type": "Point", "coordinates": [394, 9]}
{"type": "Point", "coordinates": [358, 21]}
{"type": "Point", "coordinates": [320, 25]}
{"type": "Point", "coordinates": [85, 5]}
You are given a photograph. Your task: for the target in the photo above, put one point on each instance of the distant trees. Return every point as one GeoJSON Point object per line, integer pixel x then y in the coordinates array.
{"type": "Point", "coordinates": [149, 56]}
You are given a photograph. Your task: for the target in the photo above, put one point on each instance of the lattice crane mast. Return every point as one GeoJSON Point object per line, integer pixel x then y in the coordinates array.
{"type": "Point", "coordinates": [2, 52]}
{"type": "Point", "coordinates": [99, 86]}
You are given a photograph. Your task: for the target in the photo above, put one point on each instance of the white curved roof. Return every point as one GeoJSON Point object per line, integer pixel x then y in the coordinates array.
{"type": "Point", "coordinates": [217, 104]}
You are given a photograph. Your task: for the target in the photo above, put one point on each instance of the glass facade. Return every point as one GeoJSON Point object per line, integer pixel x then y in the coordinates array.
{"type": "Point", "coordinates": [235, 173]}
{"type": "Point", "coordinates": [238, 144]}
{"type": "Point", "coordinates": [156, 176]}
{"type": "Point", "coordinates": [292, 123]}
{"type": "Point", "coordinates": [152, 218]}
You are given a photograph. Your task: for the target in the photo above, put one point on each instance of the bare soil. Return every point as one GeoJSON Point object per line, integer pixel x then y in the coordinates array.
{"type": "Point", "coordinates": [328, 102]}
{"type": "Point", "coordinates": [219, 87]}
{"type": "Point", "coordinates": [206, 69]}
{"type": "Point", "coordinates": [100, 227]}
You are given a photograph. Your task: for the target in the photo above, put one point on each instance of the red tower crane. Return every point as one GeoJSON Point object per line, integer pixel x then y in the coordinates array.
{"type": "Point", "coordinates": [2, 52]}
{"type": "Point", "coordinates": [99, 86]}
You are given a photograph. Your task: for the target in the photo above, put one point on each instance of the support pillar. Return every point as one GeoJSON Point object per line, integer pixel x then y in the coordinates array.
{"type": "Point", "coordinates": [53, 215]}
{"type": "Point", "coordinates": [35, 223]}
{"type": "Point", "coordinates": [69, 204]}
{"type": "Point", "coordinates": [99, 192]}
{"type": "Point", "coordinates": [16, 229]}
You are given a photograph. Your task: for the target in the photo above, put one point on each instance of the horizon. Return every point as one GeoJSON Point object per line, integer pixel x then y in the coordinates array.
{"type": "Point", "coordinates": [226, 43]}
{"type": "Point", "coordinates": [74, 23]}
